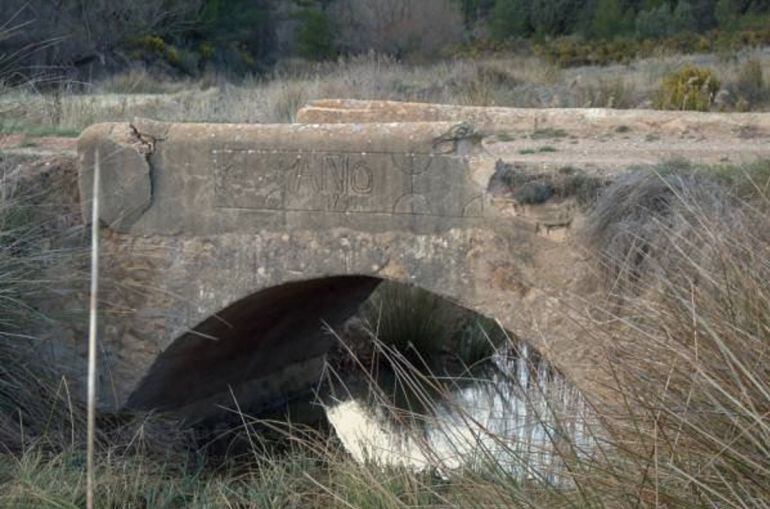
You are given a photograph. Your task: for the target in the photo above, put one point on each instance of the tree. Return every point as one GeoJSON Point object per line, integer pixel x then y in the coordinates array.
{"type": "Point", "coordinates": [315, 36]}
{"type": "Point", "coordinates": [398, 27]}
{"type": "Point", "coordinates": [555, 17]}
{"type": "Point", "coordinates": [473, 10]}
{"type": "Point", "coordinates": [610, 21]}
{"type": "Point", "coordinates": [83, 34]}
{"type": "Point", "coordinates": [239, 28]}
{"type": "Point", "coordinates": [510, 18]}
{"type": "Point", "coordinates": [726, 14]}
{"type": "Point", "coordinates": [684, 17]}
{"type": "Point", "coordinates": [655, 22]}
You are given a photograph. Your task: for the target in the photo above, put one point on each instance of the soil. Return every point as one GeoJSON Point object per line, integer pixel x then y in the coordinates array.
{"type": "Point", "coordinates": [613, 151]}
{"type": "Point", "coordinates": [23, 144]}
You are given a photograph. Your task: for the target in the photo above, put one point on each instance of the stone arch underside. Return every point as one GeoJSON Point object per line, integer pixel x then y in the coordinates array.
{"type": "Point", "coordinates": [209, 226]}
{"type": "Point", "coordinates": [266, 348]}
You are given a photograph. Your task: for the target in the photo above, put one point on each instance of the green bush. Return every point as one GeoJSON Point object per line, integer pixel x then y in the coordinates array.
{"type": "Point", "coordinates": [574, 51]}
{"type": "Point", "coordinates": [555, 17]}
{"type": "Point", "coordinates": [509, 18]}
{"type": "Point", "coordinates": [150, 47]}
{"type": "Point", "coordinates": [315, 35]}
{"type": "Point", "coordinates": [410, 319]}
{"type": "Point", "coordinates": [423, 326]}
{"type": "Point", "coordinates": [655, 22]}
{"type": "Point", "coordinates": [684, 17]}
{"type": "Point", "coordinates": [610, 21]}
{"type": "Point", "coordinates": [240, 33]}
{"type": "Point", "coordinates": [725, 14]}
{"type": "Point", "coordinates": [691, 88]}
{"type": "Point", "coordinates": [750, 84]}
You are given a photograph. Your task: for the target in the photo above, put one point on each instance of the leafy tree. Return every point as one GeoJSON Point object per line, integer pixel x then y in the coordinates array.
{"type": "Point", "coordinates": [315, 35]}
{"type": "Point", "coordinates": [510, 18]}
{"type": "Point", "coordinates": [609, 19]}
{"type": "Point", "coordinates": [655, 22]}
{"type": "Point", "coordinates": [684, 17]}
{"type": "Point", "coordinates": [241, 29]}
{"type": "Point", "coordinates": [423, 28]}
{"type": "Point", "coordinates": [727, 14]}
{"type": "Point", "coordinates": [555, 17]}
{"type": "Point", "coordinates": [473, 10]}
{"type": "Point", "coordinates": [703, 12]}
{"type": "Point", "coordinates": [74, 36]}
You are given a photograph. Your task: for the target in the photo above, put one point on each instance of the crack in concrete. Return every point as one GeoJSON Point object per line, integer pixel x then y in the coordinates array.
{"type": "Point", "coordinates": [148, 134]}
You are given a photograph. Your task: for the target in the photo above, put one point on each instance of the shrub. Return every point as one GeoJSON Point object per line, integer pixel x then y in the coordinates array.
{"type": "Point", "coordinates": [572, 51]}
{"type": "Point", "coordinates": [607, 93]}
{"type": "Point", "coordinates": [151, 44]}
{"type": "Point", "coordinates": [750, 84]}
{"type": "Point", "coordinates": [655, 22]}
{"type": "Point", "coordinates": [726, 14]}
{"type": "Point", "coordinates": [682, 256]}
{"type": "Point", "coordinates": [237, 28]}
{"type": "Point", "coordinates": [554, 17]}
{"type": "Point", "coordinates": [206, 51]}
{"type": "Point", "coordinates": [172, 55]}
{"type": "Point", "coordinates": [315, 35]}
{"type": "Point", "coordinates": [610, 21]}
{"type": "Point", "coordinates": [684, 17]}
{"type": "Point", "coordinates": [691, 88]}
{"type": "Point", "coordinates": [411, 320]}
{"type": "Point", "coordinates": [531, 188]}
{"type": "Point", "coordinates": [509, 18]}
{"type": "Point", "coordinates": [406, 27]}
{"type": "Point", "coordinates": [423, 326]}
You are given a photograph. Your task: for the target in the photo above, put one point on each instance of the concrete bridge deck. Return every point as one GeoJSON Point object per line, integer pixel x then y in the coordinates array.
{"type": "Point", "coordinates": [227, 246]}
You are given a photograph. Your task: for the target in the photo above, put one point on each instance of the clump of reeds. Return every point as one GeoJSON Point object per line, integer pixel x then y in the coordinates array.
{"type": "Point", "coordinates": [684, 251]}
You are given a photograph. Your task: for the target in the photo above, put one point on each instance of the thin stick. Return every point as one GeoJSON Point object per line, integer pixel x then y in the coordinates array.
{"type": "Point", "coordinates": [92, 337]}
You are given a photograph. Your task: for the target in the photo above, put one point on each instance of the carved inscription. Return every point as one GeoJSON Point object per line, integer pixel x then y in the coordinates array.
{"type": "Point", "coordinates": [416, 184]}
{"type": "Point", "coordinates": [335, 183]}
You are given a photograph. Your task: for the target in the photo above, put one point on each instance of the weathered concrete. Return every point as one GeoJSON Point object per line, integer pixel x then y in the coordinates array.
{"type": "Point", "coordinates": [226, 246]}
{"type": "Point", "coordinates": [600, 141]}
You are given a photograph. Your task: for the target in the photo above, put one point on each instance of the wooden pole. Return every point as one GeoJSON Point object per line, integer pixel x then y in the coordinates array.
{"type": "Point", "coordinates": [92, 337]}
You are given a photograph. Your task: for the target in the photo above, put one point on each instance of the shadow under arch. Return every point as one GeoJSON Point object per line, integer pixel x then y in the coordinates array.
{"type": "Point", "coordinates": [264, 348]}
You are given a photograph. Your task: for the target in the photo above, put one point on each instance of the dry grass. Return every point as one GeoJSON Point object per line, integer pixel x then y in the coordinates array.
{"type": "Point", "coordinates": [687, 252]}
{"type": "Point", "coordinates": [37, 258]}
{"type": "Point", "coordinates": [501, 81]}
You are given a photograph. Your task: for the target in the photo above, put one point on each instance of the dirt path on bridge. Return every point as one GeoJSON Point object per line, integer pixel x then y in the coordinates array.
{"type": "Point", "coordinates": [615, 150]}
{"type": "Point", "coordinates": [604, 152]}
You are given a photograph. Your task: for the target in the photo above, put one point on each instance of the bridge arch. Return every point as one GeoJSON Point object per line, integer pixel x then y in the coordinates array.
{"type": "Point", "coordinates": [266, 347]}
{"type": "Point", "coordinates": [205, 224]}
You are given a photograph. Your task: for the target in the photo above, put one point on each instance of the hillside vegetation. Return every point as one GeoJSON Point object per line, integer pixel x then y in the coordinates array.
{"type": "Point", "coordinates": [79, 41]}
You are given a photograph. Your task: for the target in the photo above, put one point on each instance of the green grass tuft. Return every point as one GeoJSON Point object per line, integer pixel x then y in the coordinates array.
{"type": "Point", "coordinates": [548, 133]}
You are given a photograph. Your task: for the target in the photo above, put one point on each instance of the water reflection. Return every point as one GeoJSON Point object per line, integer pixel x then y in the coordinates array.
{"type": "Point", "coordinates": [512, 413]}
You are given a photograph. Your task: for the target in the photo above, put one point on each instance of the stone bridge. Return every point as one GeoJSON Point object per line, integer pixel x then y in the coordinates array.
{"type": "Point", "coordinates": [226, 247]}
